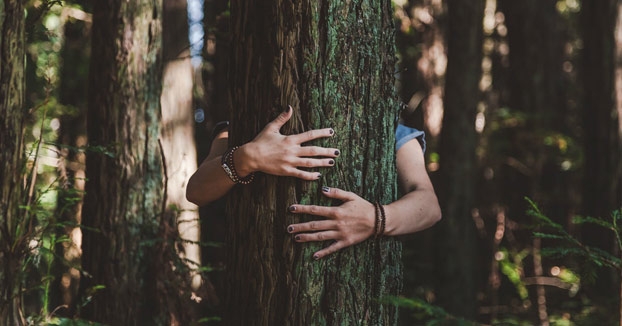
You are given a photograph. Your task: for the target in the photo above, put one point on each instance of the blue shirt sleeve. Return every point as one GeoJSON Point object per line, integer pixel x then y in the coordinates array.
{"type": "Point", "coordinates": [404, 134]}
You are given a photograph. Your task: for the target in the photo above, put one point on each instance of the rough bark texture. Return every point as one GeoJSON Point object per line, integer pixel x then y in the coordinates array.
{"type": "Point", "coordinates": [334, 62]}
{"type": "Point", "coordinates": [457, 155]}
{"type": "Point", "coordinates": [123, 203]}
{"type": "Point", "coordinates": [11, 142]}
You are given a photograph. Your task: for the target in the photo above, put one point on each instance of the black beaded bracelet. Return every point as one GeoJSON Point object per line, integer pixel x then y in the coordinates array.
{"type": "Point", "coordinates": [383, 220]}
{"type": "Point", "coordinates": [229, 167]}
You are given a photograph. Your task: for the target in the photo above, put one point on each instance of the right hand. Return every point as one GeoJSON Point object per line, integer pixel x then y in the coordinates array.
{"type": "Point", "coordinates": [273, 153]}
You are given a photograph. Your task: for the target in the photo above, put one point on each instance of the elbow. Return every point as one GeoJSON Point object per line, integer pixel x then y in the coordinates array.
{"type": "Point", "coordinates": [436, 213]}
{"type": "Point", "coordinates": [191, 193]}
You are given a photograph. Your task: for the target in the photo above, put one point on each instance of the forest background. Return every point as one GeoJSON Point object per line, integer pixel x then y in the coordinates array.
{"type": "Point", "coordinates": [539, 121]}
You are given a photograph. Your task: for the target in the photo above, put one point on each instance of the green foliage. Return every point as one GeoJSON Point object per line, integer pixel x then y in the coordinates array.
{"type": "Point", "coordinates": [571, 246]}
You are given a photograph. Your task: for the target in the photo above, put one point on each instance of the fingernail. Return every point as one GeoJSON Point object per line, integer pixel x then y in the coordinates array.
{"type": "Point", "coordinates": [289, 107]}
{"type": "Point", "coordinates": [331, 131]}
{"type": "Point", "coordinates": [292, 208]}
{"type": "Point", "coordinates": [337, 153]}
{"type": "Point", "coordinates": [319, 175]}
{"type": "Point", "coordinates": [325, 189]}
{"type": "Point", "coordinates": [290, 229]}
{"type": "Point", "coordinates": [316, 257]}
{"type": "Point", "coordinates": [331, 162]}
{"type": "Point", "coordinates": [297, 238]}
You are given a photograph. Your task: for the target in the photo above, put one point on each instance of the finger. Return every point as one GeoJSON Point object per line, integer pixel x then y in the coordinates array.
{"type": "Point", "coordinates": [277, 123]}
{"type": "Point", "coordinates": [336, 246]}
{"type": "Point", "coordinates": [305, 175]}
{"type": "Point", "coordinates": [318, 236]}
{"type": "Point", "coordinates": [313, 162]}
{"type": "Point", "coordinates": [314, 210]}
{"type": "Point", "coordinates": [318, 151]}
{"type": "Point", "coordinates": [313, 134]}
{"type": "Point", "coordinates": [313, 226]}
{"type": "Point", "coordinates": [338, 194]}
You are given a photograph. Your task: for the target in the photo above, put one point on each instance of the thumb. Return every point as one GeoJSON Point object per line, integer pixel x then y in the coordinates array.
{"type": "Point", "coordinates": [277, 123]}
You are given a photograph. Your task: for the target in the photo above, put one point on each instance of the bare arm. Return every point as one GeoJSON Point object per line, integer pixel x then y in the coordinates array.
{"type": "Point", "coordinates": [270, 152]}
{"type": "Point", "coordinates": [353, 221]}
{"type": "Point", "coordinates": [418, 209]}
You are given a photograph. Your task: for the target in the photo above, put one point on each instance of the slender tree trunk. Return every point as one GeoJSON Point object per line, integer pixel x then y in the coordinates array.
{"type": "Point", "coordinates": [334, 62]}
{"type": "Point", "coordinates": [123, 205]}
{"type": "Point", "coordinates": [72, 132]}
{"type": "Point", "coordinates": [600, 114]}
{"type": "Point", "coordinates": [600, 121]}
{"type": "Point", "coordinates": [457, 154]}
{"type": "Point", "coordinates": [12, 87]}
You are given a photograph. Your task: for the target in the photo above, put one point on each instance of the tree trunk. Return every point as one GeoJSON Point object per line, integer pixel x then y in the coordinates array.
{"type": "Point", "coordinates": [72, 132]}
{"type": "Point", "coordinates": [12, 243]}
{"type": "Point", "coordinates": [334, 62]}
{"type": "Point", "coordinates": [457, 155]}
{"type": "Point", "coordinates": [123, 205]}
{"type": "Point", "coordinates": [600, 123]}
{"type": "Point", "coordinates": [600, 114]}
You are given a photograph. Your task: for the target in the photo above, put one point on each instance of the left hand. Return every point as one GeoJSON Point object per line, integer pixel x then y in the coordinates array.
{"type": "Point", "coordinates": [348, 224]}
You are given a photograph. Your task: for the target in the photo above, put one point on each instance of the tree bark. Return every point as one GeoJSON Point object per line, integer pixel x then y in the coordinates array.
{"type": "Point", "coordinates": [457, 157]}
{"type": "Point", "coordinates": [334, 62]}
{"type": "Point", "coordinates": [12, 86]}
{"type": "Point", "coordinates": [123, 205]}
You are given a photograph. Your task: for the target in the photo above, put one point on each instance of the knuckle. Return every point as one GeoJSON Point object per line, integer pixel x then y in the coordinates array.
{"type": "Point", "coordinates": [320, 236]}
{"type": "Point", "coordinates": [312, 226]}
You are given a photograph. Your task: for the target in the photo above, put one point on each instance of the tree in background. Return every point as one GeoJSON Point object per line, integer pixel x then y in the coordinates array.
{"type": "Point", "coordinates": [602, 143]}
{"type": "Point", "coordinates": [334, 62]}
{"type": "Point", "coordinates": [12, 243]}
{"type": "Point", "coordinates": [458, 166]}
{"type": "Point", "coordinates": [124, 203]}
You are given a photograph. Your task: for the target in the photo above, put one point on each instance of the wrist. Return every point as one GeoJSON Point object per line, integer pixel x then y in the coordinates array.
{"type": "Point", "coordinates": [244, 160]}
{"type": "Point", "coordinates": [389, 229]}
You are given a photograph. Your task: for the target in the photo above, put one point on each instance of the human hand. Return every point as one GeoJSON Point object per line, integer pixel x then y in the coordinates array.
{"type": "Point", "coordinates": [350, 223]}
{"type": "Point", "coordinates": [273, 153]}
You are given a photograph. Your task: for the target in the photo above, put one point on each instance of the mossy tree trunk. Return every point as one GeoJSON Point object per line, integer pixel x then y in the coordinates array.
{"type": "Point", "coordinates": [458, 161]}
{"type": "Point", "coordinates": [124, 201]}
{"type": "Point", "coordinates": [12, 242]}
{"type": "Point", "coordinates": [334, 62]}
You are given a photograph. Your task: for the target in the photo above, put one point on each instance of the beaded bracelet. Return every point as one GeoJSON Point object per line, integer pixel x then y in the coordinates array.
{"type": "Point", "coordinates": [229, 167]}
{"type": "Point", "coordinates": [381, 220]}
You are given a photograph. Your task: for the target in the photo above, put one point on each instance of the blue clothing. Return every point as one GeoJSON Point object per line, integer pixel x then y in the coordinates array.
{"type": "Point", "coordinates": [403, 134]}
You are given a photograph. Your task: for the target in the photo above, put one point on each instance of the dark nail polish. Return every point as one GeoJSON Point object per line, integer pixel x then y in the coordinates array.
{"type": "Point", "coordinates": [292, 208]}
{"type": "Point", "coordinates": [337, 153]}
{"type": "Point", "coordinates": [297, 238]}
{"type": "Point", "coordinates": [316, 257]}
{"type": "Point", "coordinates": [325, 189]}
{"type": "Point", "coordinates": [289, 107]}
{"type": "Point", "coordinates": [331, 131]}
{"type": "Point", "coordinates": [331, 162]}
{"type": "Point", "coordinates": [290, 229]}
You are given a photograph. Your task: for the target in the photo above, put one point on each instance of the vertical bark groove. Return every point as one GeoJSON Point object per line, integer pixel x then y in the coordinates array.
{"type": "Point", "coordinates": [12, 244]}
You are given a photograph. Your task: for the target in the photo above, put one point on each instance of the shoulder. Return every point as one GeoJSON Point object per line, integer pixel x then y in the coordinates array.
{"type": "Point", "coordinates": [405, 134]}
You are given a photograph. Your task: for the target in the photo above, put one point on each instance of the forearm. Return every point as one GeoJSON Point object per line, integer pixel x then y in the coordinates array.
{"type": "Point", "coordinates": [415, 211]}
{"type": "Point", "coordinates": [210, 182]}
